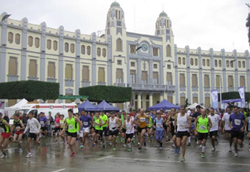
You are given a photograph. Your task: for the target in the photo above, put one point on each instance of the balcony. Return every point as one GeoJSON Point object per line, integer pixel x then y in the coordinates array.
{"type": "Point", "coordinates": [33, 78]}
{"type": "Point", "coordinates": [85, 83]}
{"type": "Point", "coordinates": [69, 83]}
{"type": "Point", "coordinates": [151, 87]}
{"type": "Point", "coordinates": [207, 89]}
{"type": "Point", "coordinates": [194, 88]}
{"type": "Point", "coordinates": [12, 78]}
{"type": "Point", "coordinates": [119, 84]}
{"type": "Point", "coordinates": [101, 83]}
{"type": "Point", "coordinates": [182, 88]}
{"type": "Point", "coordinates": [50, 79]}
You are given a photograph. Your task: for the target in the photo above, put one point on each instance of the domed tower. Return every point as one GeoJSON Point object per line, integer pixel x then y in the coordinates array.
{"type": "Point", "coordinates": [115, 20]}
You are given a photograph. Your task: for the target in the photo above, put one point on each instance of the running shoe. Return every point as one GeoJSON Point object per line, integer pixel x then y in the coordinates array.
{"type": "Point", "coordinates": [93, 145]}
{"type": "Point", "coordinates": [72, 154]}
{"type": "Point", "coordinates": [110, 144]}
{"type": "Point", "coordinates": [139, 148]}
{"type": "Point", "coordinates": [177, 150]}
{"type": "Point", "coordinates": [114, 149]}
{"type": "Point", "coordinates": [230, 149]}
{"type": "Point", "coordinates": [236, 155]}
{"type": "Point", "coordinates": [160, 148]}
{"type": "Point", "coordinates": [189, 144]}
{"type": "Point", "coordinates": [145, 144]}
{"type": "Point", "coordinates": [103, 146]}
{"type": "Point", "coordinates": [55, 140]}
{"type": "Point", "coordinates": [3, 156]}
{"type": "Point", "coordinates": [173, 145]}
{"type": "Point", "coordinates": [182, 159]}
{"type": "Point", "coordinates": [241, 145]}
{"type": "Point", "coordinates": [133, 141]}
{"type": "Point", "coordinates": [213, 150]}
{"type": "Point", "coordinates": [81, 147]}
{"type": "Point", "coordinates": [200, 146]}
{"type": "Point", "coordinates": [202, 155]}
{"type": "Point", "coordinates": [130, 150]}
{"type": "Point", "coordinates": [20, 150]}
{"type": "Point", "coordinates": [29, 155]}
{"type": "Point", "coordinates": [124, 146]}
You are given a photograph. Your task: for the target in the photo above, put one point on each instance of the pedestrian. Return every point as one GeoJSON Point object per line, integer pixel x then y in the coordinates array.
{"type": "Point", "coordinates": [159, 121]}
{"type": "Point", "coordinates": [213, 133]}
{"type": "Point", "coordinates": [85, 129]}
{"type": "Point", "coordinates": [5, 131]}
{"type": "Point", "coordinates": [18, 127]}
{"type": "Point", "coordinates": [113, 124]}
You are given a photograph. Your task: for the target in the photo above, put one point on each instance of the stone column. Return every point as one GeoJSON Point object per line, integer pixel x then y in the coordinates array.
{"type": "Point", "coordinates": [150, 71]}
{"type": "Point", "coordinates": [236, 85]}
{"type": "Point", "coordinates": [61, 63]}
{"type": "Point", "coordinates": [200, 77]}
{"type": "Point", "coordinates": [248, 71]}
{"type": "Point", "coordinates": [188, 75]}
{"type": "Point", "coordinates": [139, 100]}
{"type": "Point", "coordinates": [176, 76]}
{"type": "Point", "coordinates": [150, 99]}
{"type": "Point", "coordinates": [77, 63]}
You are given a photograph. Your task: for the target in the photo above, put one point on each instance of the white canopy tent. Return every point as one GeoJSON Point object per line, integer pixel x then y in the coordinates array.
{"type": "Point", "coordinates": [193, 106]}
{"type": "Point", "coordinates": [11, 110]}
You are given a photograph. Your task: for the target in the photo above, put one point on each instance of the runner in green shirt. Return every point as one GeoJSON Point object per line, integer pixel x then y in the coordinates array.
{"type": "Point", "coordinates": [98, 123]}
{"type": "Point", "coordinates": [104, 119]}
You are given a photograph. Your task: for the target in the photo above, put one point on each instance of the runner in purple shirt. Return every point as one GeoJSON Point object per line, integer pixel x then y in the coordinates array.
{"type": "Point", "coordinates": [237, 124]}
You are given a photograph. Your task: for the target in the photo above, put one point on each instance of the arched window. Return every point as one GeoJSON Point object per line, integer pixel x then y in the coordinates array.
{"type": "Point", "coordinates": [32, 68]}
{"type": "Point", "coordinates": [30, 41]}
{"type": "Point", "coordinates": [119, 44]}
{"type": "Point", "coordinates": [55, 45]}
{"type": "Point", "coordinates": [215, 63]}
{"type": "Point", "coordinates": [83, 49]}
{"type": "Point", "coordinates": [191, 61]}
{"type": "Point", "coordinates": [179, 60]}
{"type": "Point", "coordinates": [98, 52]}
{"type": "Point", "coordinates": [196, 62]}
{"type": "Point", "coordinates": [168, 51]}
{"type": "Point", "coordinates": [183, 61]}
{"type": "Point", "coordinates": [204, 62]}
{"type": "Point", "coordinates": [69, 72]}
{"type": "Point", "coordinates": [72, 48]}
{"type": "Point", "coordinates": [13, 66]}
{"type": "Point", "coordinates": [239, 64]}
{"type": "Point", "coordinates": [17, 38]}
{"type": "Point", "coordinates": [104, 52]}
{"type": "Point", "coordinates": [37, 42]}
{"type": "Point", "coordinates": [243, 64]}
{"type": "Point", "coordinates": [227, 63]}
{"type": "Point", "coordinates": [88, 50]}
{"type": "Point", "coordinates": [66, 47]}
{"type": "Point", "coordinates": [208, 62]}
{"type": "Point", "coordinates": [232, 63]}
{"type": "Point", "coordinates": [10, 37]}
{"type": "Point", "coordinates": [49, 44]}
{"type": "Point", "coordinates": [220, 63]}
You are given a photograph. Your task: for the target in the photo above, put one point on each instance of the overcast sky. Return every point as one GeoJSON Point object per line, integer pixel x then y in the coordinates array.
{"type": "Point", "coordinates": [198, 23]}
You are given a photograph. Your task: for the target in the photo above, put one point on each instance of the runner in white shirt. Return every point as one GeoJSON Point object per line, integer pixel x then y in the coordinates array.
{"type": "Point", "coordinates": [129, 124]}
{"type": "Point", "coordinates": [226, 128]}
{"type": "Point", "coordinates": [34, 127]}
{"type": "Point", "coordinates": [113, 123]}
{"type": "Point", "coordinates": [215, 119]}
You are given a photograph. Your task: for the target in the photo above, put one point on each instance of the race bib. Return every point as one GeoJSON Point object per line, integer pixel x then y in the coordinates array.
{"type": "Point", "coordinates": [159, 125]}
{"type": "Point", "coordinates": [57, 125]}
{"type": "Point", "coordinates": [61, 123]}
{"type": "Point", "coordinates": [237, 121]}
{"type": "Point", "coordinates": [142, 119]}
{"type": "Point", "coordinates": [41, 122]}
{"type": "Point", "coordinates": [213, 123]}
{"type": "Point", "coordinates": [182, 127]}
{"type": "Point", "coordinates": [173, 122]}
{"type": "Point", "coordinates": [202, 127]}
{"type": "Point", "coordinates": [85, 123]}
{"type": "Point", "coordinates": [71, 127]}
{"type": "Point", "coordinates": [18, 128]}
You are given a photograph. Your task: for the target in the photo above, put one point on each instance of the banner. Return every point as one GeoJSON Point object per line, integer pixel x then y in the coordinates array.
{"type": "Point", "coordinates": [131, 104]}
{"type": "Point", "coordinates": [214, 94]}
{"type": "Point", "coordinates": [242, 96]}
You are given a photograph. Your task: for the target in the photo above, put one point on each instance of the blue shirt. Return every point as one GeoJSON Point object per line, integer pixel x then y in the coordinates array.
{"type": "Point", "coordinates": [86, 121]}
{"type": "Point", "coordinates": [43, 120]}
{"type": "Point", "coordinates": [159, 124]}
{"type": "Point", "coordinates": [153, 117]}
{"type": "Point", "coordinates": [237, 121]}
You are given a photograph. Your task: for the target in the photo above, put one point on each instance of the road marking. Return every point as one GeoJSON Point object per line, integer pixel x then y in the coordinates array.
{"type": "Point", "coordinates": [104, 157]}
{"type": "Point", "coordinates": [63, 169]}
{"type": "Point", "coordinates": [188, 162]}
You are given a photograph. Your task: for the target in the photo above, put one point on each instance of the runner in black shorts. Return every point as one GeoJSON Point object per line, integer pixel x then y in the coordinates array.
{"type": "Point", "coordinates": [171, 123]}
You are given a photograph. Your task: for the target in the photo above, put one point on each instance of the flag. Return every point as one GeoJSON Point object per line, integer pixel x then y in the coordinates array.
{"type": "Point", "coordinates": [242, 96]}
{"type": "Point", "coordinates": [214, 94]}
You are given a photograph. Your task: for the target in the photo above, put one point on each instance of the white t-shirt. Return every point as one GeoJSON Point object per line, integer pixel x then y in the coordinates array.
{"type": "Point", "coordinates": [225, 118]}
{"type": "Point", "coordinates": [215, 122]}
{"type": "Point", "coordinates": [33, 125]}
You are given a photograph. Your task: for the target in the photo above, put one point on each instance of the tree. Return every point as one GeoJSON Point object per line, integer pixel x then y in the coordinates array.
{"type": "Point", "coordinates": [29, 90]}
{"type": "Point", "coordinates": [186, 103]}
{"type": "Point", "coordinates": [111, 94]}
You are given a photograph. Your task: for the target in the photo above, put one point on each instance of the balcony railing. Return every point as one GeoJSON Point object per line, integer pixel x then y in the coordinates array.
{"type": "Point", "coordinates": [119, 84]}
{"type": "Point", "coordinates": [33, 78]}
{"type": "Point", "coordinates": [51, 79]}
{"type": "Point", "coordinates": [85, 83]}
{"type": "Point", "coordinates": [13, 78]}
{"type": "Point", "coordinates": [101, 83]}
{"type": "Point", "coordinates": [152, 87]}
{"type": "Point", "coordinates": [69, 83]}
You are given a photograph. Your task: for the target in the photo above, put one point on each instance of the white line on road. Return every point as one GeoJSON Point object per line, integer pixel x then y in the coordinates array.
{"type": "Point", "coordinates": [63, 169]}
{"type": "Point", "coordinates": [104, 157]}
{"type": "Point", "coordinates": [187, 162]}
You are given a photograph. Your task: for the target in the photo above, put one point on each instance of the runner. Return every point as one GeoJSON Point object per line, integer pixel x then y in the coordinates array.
{"type": "Point", "coordinates": [104, 119]}
{"type": "Point", "coordinates": [43, 121]}
{"type": "Point", "coordinates": [62, 125]}
{"type": "Point", "coordinates": [202, 125]}
{"type": "Point", "coordinates": [182, 126]}
{"type": "Point", "coordinates": [194, 117]}
{"type": "Point", "coordinates": [98, 129]}
{"type": "Point", "coordinates": [215, 119]}
{"type": "Point", "coordinates": [85, 130]}
{"type": "Point", "coordinates": [18, 127]}
{"type": "Point", "coordinates": [248, 130]}
{"type": "Point", "coordinates": [113, 124]}
{"type": "Point", "coordinates": [129, 124]}
{"type": "Point", "coordinates": [73, 124]}
{"type": "Point", "coordinates": [150, 129]}
{"type": "Point", "coordinates": [171, 123]}
{"type": "Point", "coordinates": [226, 127]}
{"type": "Point", "coordinates": [123, 130]}
{"type": "Point", "coordinates": [237, 124]}
{"type": "Point", "coordinates": [142, 126]}
{"type": "Point", "coordinates": [57, 127]}
{"type": "Point", "coordinates": [34, 128]}
{"type": "Point", "coordinates": [159, 121]}
{"type": "Point", "coordinates": [5, 131]}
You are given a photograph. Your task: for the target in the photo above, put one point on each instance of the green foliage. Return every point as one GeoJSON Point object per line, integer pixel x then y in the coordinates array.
{"type": "Point", "coordinates": [109, 93]}
{"type": "Point", "coordinates": [29, 90]}
{"type": "Point", "coordinates": [186, 103]}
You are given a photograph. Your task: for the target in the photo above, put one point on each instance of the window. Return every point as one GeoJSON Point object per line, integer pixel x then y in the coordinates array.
{"type": "Point", "coordinates": [155, 51]}
{"type": "Point", "coordinates": [196, 62]}
{"type": "Point", "coordinates": [194, 80]}
{"type": "Point", "coordinates": [82, 49]}
{"type": "Point", "coordinates": [37, 42]}
{"type": "Point", "coordinates": [215, 63]}
{"type": "Point", "coordinates": [155, 77]}
{"type": "Point", "coordinates": [242, 81]}
{"type": "Point", "coordinates": [55, 45]}
{"type": "Point", "coordinates": [10, 37]}
{"type": "Point", "coordinates": [168, 66]}
{"type": "Point", "coordinates": [52, 70]}
{"type": "Point", "coordinates": [155, 66]}
{"type": "Point", "coordinates": [132, 76]}
{"type": "Point", "coordinates": [17, 38]}
{"type": "Point", "coordinates": [104, 52]}
{"type": "Point", "coordinates": [32, 68]}
{"type": "Point", "coordinates": [72, 48]}
{"type": "Point", "coordinates": [170, 99]}
{"type": "Point", "coordinates": [169, 78]}
{"type": "Point", "coordinates": [232, 63]}
{"type": "Point", "coordinates": [119, 62]}
{"type": "Point", "coordinates": [13, 66]}
{"type": "Point", "coordinates": [85, 73]}
{"type": "Point", "coordinates": [179, 60]}
{"type": "Point", "coordinates": [69, 72]}
{"type": "Point", "coordinates": [243, 64]}
{"type": "Point", "coordinates": [227, 63]}
{"type": "Point", "coordinates": [182, 101]}
{"type": "Point", "coordinates": [195, 99]}
{"type": "Point", "coordinates": [119, 76]}
{"type": "Point", "coordinates": [239, 64]}
{"type": "Point", "coordinates": [101, 75]}
{"type": "Point", "coordinates": [88, 50]}
{"type": "Point", "coordinates": [207, 102]}
{"type": "Point", "coordinates": [132, 49]}
{"type": "Point", "coordinates": [219, 63]}
{"type": "Point", "coordinates": [30, 41]}
{"type": "Point", "coordinates": [191, 61]}
{"type": "Point", "coordinates": [132, 64]}
{"type": "Point", "coordinates": [49, 44]}
{"type": "Point", "coordinates": [203, 62]}
{"type": "Point", "coordinates": [98, 52]}
{"type": "Point", "coordinates": [217, 80]}
{"type": "Point", "coordinates": [168, 51]}
{"type": "Point", "coordinates": [183, 61]}
{"type": "Point", "coordinates": [66, 47]}
{"type": "Point", "coordinates": [230, 81]}
{"type": "Point", "coordinates": [182, 80]}
{"type": "Point", "coordinates": [206, 81]}
{"type": "Point", "coordinates": [208, 62]}
{"type": "Point", "coordinates": [144, 77]}
{"type": "Point", "coordinates": [119, 44]}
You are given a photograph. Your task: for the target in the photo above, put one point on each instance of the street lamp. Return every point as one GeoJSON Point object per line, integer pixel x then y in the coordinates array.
{"type": "Point", "coordinates": [5, 17]}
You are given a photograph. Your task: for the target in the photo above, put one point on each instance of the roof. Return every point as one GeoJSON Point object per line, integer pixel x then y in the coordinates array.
{"type": "Point", "coordinates": [115, 4]}
{"type": "Point", "coordinates": [163, 14]}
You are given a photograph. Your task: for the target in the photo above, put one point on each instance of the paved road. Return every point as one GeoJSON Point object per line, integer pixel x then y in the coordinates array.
{"type": "Point", "coordinates": [54, 157]}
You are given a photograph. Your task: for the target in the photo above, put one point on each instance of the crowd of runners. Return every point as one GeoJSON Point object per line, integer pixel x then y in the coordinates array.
{"type": "Point", "coordinates": [111, 128]}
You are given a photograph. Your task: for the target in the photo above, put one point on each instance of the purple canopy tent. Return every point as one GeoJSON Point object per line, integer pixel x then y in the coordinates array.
{"type": "Point", "coordinates": [164, 105]}
{"type": "Point", "coordinates": [87, 106]}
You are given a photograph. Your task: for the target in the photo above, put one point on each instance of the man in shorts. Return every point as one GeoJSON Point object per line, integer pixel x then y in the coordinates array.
{"type": "Point", "coordinates": [226, 128]}
{"type": "Point", "coordinates": [129, 124]}
{"type": "Point", "coordinates": [215, 119]}
{"type": "Point", "coordinates": [43, 121]}
{"type": "Point", "coordinates": [5, 131]}
{"type": "Point", "coordinates": [113, 124]}
{"type": "Point", "coordinates": [85, 130]}
{"type": "Point", "coordinates": [98, 123]}
{"type": "Point", "coordinates": [159, 121]}
{"type": "Point", "coordinates": [19, 128]}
